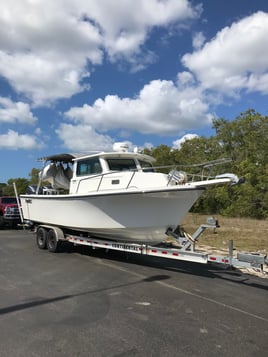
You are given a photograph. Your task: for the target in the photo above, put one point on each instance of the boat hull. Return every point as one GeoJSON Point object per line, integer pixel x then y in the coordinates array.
{"type": "Point", "coordinates": [140, 216]}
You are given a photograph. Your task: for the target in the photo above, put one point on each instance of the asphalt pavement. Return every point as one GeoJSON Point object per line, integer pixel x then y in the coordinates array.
{"type": "Point", "coordinates": [84, 302]}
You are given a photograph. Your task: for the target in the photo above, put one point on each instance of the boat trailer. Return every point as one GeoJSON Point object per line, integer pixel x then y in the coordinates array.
{"type": "Point", "coordinates": [178, 245]}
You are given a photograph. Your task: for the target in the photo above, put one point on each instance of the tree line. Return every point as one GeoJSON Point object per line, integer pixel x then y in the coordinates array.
{"type": "Point", "coordinates": [244, 140]}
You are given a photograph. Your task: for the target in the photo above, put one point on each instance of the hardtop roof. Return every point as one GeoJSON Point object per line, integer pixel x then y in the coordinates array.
{"type": "Point", "coordinates": [115, 154]}
{"type": "Point", "coordinates": [69, 158]}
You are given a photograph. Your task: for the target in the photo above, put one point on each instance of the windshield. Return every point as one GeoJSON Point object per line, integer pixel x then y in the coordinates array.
{"type": "Point", "coordinates": [146, 166]}
{"type": "Point", "coordinates": [121, 164]}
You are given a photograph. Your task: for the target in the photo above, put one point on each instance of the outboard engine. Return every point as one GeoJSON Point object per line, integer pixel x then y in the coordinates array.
{"type": "Point", "coordinates": [31, 190]}
{"type": "Point", "coordinates": [177, 177]}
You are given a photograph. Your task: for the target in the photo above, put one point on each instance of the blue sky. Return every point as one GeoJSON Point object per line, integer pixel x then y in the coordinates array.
{"type": "Point", "coordinates": [79, 75]}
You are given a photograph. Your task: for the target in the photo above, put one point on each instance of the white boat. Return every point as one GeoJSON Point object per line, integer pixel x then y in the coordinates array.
{"type": "Point", "coordinates": [116, 195]}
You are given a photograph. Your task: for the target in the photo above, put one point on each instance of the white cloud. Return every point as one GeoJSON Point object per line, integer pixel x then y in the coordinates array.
{"type": "Point", "coordinates": [160, 108]}
{"type": "Point", "coordinates": [46, 46]}
{"type": "Point", "coordinates": [15, 141]}
{"type": "Point", "coordinates": [168, 108]}
{"type": "Point", "coordinates": [11, 112]}
{"type": "Point", "coordinates": [40, 78]}
{"type": "Point", "coordinates": [185, 79]}
{"type": "Point", "coordinates": [198, 40]}
{"type": "Point", "coordinates": [125, 26]}
{"type": "Point", "coordinates": [47, 50]}
{"type": "Point", "coordinates": [83, 137]}
{"type": "Point", "coordinates": [178, 143]}
{"type": "Point", "coordinates": [235, 59]}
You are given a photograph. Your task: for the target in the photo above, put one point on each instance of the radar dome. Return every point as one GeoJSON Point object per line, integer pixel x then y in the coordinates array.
{"type": "Point", "coordinates": [124, 147]}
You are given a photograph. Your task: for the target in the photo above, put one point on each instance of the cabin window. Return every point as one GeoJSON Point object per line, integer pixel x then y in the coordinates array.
{"type": "Point", "coordinates": [121, 164]}
{"type": "Point", "coordinates": [146, 166]}
{"type": "Point", "coordinates": [88, 167]}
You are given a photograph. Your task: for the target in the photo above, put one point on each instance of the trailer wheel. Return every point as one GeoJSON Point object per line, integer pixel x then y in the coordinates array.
{"type": "Point", "coordinates": [52, 242]}
{"type": "Point", "coordinates": [41, 238]}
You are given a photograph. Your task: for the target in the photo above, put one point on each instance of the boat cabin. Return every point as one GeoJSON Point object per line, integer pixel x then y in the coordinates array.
{"type": "Point", "coordinates": [110, 171]}
{"type": "Point", "coordinates": [82, 174]}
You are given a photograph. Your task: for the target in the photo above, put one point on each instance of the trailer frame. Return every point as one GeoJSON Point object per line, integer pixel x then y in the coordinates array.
{"type": "Point", "coordinates": [181, 246]}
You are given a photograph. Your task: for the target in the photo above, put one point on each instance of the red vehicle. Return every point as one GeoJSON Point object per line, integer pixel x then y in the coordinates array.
{"type": "Point", "coordinates": [9, 211]}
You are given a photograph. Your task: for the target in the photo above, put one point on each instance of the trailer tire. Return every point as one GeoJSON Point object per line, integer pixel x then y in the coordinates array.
{"type": "Point", "coordinates": [52, 242]}
{"type": "Point", "coordinates": [41, 238]}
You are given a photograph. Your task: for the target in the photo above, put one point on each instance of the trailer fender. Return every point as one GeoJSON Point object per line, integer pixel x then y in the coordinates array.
{"type": "Point", "coordinates": [52, 237]}
{"type": "Point", "coordinates": [59, 235]}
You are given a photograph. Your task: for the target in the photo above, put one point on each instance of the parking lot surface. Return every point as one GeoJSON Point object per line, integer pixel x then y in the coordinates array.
{"type": "Point", "coordinates": [82, 302]}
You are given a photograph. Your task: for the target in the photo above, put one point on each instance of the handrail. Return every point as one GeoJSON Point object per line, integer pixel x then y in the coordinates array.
{"type": "Point", "coordinates": [134, 172]}
{"type": "Point", "coordinates": [199, 176]}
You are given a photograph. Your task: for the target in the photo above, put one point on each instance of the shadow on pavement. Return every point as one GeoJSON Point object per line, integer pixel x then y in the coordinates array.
{"type": "Point", "coordinates": [210, 270]}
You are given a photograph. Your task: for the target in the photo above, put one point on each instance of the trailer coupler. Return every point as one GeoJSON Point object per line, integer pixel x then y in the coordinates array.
{"type": "Point", "coordinates": [251, 260]}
